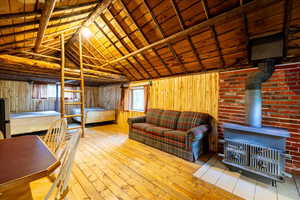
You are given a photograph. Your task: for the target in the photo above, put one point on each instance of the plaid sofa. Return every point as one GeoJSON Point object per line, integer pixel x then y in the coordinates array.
{"type": "Point", "coordinates": [183, 134]}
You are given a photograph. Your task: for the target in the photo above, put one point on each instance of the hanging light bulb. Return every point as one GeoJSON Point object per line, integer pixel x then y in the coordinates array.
{"type": "Point", "coordinates": [86, 32]}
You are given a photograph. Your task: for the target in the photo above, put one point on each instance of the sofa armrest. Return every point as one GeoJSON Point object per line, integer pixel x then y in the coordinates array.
{"type": "Point", "coordinates": [198, 132]}
{"type": "Point", "coordinates": [133, 120]}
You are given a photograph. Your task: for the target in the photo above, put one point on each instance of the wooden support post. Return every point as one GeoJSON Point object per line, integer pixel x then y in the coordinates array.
{"type": "Point", "coordinates": [81, 86]}
{"type": "Point", "coordinates": [44, 20]}
{"type": "Point", "coordinates": [62, 77]}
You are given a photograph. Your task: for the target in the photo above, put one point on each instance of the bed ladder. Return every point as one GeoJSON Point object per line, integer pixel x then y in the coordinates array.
{"type": "Point", "coordinates": [72, 75]}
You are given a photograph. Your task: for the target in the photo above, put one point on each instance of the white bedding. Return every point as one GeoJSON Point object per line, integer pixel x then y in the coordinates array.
{"type": "Point", "coordinates": [95, 115]}
{"type": "Point", "coordinates": [27, 122]}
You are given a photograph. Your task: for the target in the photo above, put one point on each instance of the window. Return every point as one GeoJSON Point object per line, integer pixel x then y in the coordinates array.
{"type": "Point", "coordinates": [137, 99]}
{"type": "Point", "coordinates": [51, 91]}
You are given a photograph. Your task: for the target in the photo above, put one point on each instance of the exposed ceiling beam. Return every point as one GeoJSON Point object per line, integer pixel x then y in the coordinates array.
{"type": "Point", "coordinates": [288, 7]}
{"type": "Point", "coordinates": [213, 31]}
{"type": "Point", "coordinates": [188, 38]}
{"type": "Point", "coordinates": [38, 12]}
{"type": "Point", "coordinates": [171, 49]}
{"type": "Point", "coordinates": [144, 37]}
{"type": "Point", "coordinates": [52, 19]}
{"type": "Point", "coordinates": [111, 29]}
{"type": "Point", "coordinates": [46, 35]}
{"type": "Point", "coordinates": [131, 41]}
{"type": "Point", "coordinates": [44, 20]}
{"type": "Point", "coordinates": [248, 7]}
{"type": "Point", "coordinates": [99, 9]}
{"type": "Point", "coordinates": [34, 30]}
{"type": "Point", "coordinates": [38, 64]}
{"type": "Point", "coordinates": [117, 49]}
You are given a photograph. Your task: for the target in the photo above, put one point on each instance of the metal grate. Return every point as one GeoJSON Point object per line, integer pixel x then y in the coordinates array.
{"type": "Point", "coordinates": [265, 160]}
{"type": "Point", "coordinates": [258, 159]}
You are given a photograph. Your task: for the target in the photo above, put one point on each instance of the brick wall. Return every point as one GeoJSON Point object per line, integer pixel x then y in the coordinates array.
{"type": "Point", "coordinates": [281, 104]}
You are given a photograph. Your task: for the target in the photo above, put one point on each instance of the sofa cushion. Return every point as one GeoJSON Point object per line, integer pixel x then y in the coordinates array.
{"type": "Point", "coordinates": [169, 119]}
{"type": "Point", "coordinates": [141, 126]}
{"type": "Point", "coordinates": [189, 120]}
{"type": "Point", "coordinates": [153, 116]}
{"type": "Point", "coordinates": [156, 130]}
{"type": "Point", "coordinates": [176, 135]}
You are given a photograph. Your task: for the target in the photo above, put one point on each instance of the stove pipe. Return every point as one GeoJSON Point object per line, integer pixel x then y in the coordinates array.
{"type": "Point", "coordinates": [253, 92]}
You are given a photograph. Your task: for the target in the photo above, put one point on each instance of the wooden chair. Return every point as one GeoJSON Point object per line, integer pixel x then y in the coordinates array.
{"type": "Point", "coordinates": [56, 135]}
{"type": "Point", "coordinates": [59, 189]}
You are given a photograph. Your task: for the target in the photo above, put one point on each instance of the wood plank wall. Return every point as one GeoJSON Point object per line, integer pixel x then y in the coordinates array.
{"type": "Point", "coordinates": [20, 95]}
{"type": "Point", "coordinates": [198, 92]}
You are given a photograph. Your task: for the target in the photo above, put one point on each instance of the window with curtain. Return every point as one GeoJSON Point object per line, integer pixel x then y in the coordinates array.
{"type": "Point", "coordinates": [45, 91]}
{"type": "Point", "coordinates": [134, 98]}
{"type": "Point", "coordinates": [137, 102]}
{"type": "Point", "coordinates": [39, 91]}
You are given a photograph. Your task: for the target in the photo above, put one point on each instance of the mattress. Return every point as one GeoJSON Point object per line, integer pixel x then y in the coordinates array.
{"type": "Point", "coordinates": [95, 115]}
{"type": "Point", "coordinates": [27, 122]}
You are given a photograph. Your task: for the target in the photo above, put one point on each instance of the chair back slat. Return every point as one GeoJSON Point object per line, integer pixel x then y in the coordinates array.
{"type": "Point", "coordinates": [60, 185]}
{"type": "Point", "coordinates": [55, 135]}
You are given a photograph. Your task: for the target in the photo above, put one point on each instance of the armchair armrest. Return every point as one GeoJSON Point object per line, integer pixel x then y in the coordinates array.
{"type": "Point", "coordinates": [133, 120]}
{"type": "Point", "coordinates": [198, 132]}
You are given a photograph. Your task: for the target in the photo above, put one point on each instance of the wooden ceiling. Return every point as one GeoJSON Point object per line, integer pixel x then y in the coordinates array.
{"type": "Point", "coordinates": [145, 39]}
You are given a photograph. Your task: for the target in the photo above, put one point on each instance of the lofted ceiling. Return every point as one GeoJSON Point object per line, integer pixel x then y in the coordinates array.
{"type": "Point", "coordinates": [145, 39]}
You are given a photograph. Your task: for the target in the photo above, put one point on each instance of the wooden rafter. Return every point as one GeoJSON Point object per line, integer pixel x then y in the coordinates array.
{"type": "Point", "coordinates": [34, 38]}
{"type": "Point", "coordinates": [213, 31]}
{"type": "Point", "coordinates": [288, 7]}
{"type": "Point", "coordinates": [111, 29]}
{"type": "Point", "coordinates": [44, 20]}
{"type": "Point", "coordinates": [248, 7]}
{"type": "Point", "coordinates": [38, 64]}
{"type": "Point", "coordinates": [144, 37]}
{"type": "Point", "coordinates": [52, 19]}
{"type": "Point", "coordinates": [119, 51]}
{"type": "Point", "coordinates": [182, 25]}
{"type": "Point", "coordinates": [171, 49]}
{"type": "Point", "coordinates": [91, 19]}
{"type": "Point", "coordinates": [134, 45]}
{"type": "Point", "coordinates": [34, 30]}
{"type": "Point", "coordinates": [245, 25]}
{"type": "Point", "coordinates": [111, 56]}
{"type": "Point", "coordinates": [37, 13]}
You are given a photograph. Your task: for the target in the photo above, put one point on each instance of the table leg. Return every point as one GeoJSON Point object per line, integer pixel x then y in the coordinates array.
{"type": "Point", "coordinates": [19, 192]}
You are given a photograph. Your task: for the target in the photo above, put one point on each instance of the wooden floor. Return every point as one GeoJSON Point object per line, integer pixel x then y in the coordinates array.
{"type": "Point", "coordinates": [215, 172]}
{"type": "Point", "coordinates": [110, 166]}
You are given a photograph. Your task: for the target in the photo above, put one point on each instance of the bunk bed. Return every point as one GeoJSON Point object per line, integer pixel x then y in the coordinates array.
{"type": "Point", "coordinates": [95, 115]}
{"type": "Point", "coordinates": [28, 122]}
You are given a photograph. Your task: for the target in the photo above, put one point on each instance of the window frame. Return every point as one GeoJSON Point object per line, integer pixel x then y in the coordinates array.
{"type": "Point", "coordinates": [131, 99]}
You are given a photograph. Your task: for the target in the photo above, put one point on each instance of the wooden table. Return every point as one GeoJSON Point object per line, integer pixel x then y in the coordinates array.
{"type": "Point", "coordinates": [22, 160]}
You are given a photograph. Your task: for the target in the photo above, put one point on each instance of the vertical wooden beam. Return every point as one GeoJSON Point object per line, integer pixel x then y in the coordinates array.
{"type": "Point", "coordinates": [213, 31]}
{"type": "Point", "coordinates": [62, 82]}
{"type": "Point", "coordinates": [120, 52]}
{"type": "Point", "coordinates": [44, 20]}
{"type": "Point", "coordinates": [182, 25]}
{"type": "Point", "coordinates": [81, 85]}
{"type": "Point", "coordinates": [144, 37]}
{"type": "Point", "coordinates": [171, 49]}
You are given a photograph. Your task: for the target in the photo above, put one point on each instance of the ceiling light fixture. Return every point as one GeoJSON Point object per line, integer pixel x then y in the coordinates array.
{"type": "Point", "coordinates": [86, 32]}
